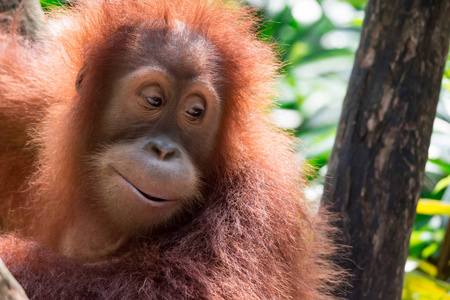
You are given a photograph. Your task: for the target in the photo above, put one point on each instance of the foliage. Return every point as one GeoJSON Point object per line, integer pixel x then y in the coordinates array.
{"type": "Point", "coordinates": [48, 4]}
{"type": "Point", "coordinates": [422, 287]}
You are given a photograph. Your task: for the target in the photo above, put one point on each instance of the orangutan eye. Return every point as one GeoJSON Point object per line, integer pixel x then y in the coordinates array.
{"type": "Point", "coordinates": [195, 112]}
{"type": "Point", "coordinates": [154, 101]}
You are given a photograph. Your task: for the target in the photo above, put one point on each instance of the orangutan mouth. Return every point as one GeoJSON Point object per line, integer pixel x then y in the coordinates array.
{"type": "Point", "coordinates": [150, 197]}
{"type": "Point", "coordinates": [146, 196]}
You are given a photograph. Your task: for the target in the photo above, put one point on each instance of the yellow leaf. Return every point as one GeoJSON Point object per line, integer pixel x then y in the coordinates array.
{"type": "Point", "coordinates": [421, 287]}
{"type": "Point", "coordinates": [433, 207]}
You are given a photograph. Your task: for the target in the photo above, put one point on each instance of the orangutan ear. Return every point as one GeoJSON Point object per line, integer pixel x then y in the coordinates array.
{"type": "Point", "coordinates": [80, 78]}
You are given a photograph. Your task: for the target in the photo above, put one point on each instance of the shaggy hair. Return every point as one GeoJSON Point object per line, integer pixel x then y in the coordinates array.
{"type": "Point", "coordinates": [254, 236]}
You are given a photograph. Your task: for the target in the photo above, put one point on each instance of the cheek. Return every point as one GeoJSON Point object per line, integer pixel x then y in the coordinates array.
{"type": "Point", "coordinates": [123, 130]}
{"type": "Point", "coordinates": [199, 145]}
{"type": "Point", "coordinates": [118, 122]}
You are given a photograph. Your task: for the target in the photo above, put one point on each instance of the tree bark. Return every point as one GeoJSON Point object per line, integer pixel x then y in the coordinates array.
{"type": "Point", "coordinates": [444, 256]}
{"type": "Point", "coordinates": [9, 288]}
{"type": "Point", "coordinates": [377, 164]}
{"type": "Point", "coordinates": [26, 16]}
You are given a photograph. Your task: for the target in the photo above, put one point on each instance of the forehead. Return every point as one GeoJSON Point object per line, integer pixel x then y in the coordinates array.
{"type": "Point", "coordinates": [183, 53]}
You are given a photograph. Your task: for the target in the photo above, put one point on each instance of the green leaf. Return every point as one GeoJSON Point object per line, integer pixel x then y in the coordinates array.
{"type": "Point", "coordinates": [48, 4]}
{"type": "Point", "coordinates": [442, 184]}
{"type": "Point", "coordinates": [430, 250]}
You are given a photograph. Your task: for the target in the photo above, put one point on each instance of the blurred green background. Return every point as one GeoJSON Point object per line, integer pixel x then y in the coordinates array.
{"type": "Point", "coordinates": [317, 41]}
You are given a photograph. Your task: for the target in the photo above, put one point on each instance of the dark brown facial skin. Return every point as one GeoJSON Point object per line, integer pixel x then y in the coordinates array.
{"type": "Point", "coordinates": [154, 135]}
{"type": "Point", "coordinates": [159, 131]}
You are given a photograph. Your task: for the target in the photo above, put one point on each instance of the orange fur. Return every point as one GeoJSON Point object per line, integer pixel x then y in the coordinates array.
{"type": "Point", "coordinates": [255, 236]}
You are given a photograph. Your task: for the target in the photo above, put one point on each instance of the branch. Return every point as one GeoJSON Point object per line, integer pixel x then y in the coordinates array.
{"type": "Point", "coordinates": [27, 15]}
{"type": "Point", "coordinates": [9, 288]}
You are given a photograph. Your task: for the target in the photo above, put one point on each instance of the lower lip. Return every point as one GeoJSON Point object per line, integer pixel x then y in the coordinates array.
{"type": "Point", "coordinates": [158, 203]}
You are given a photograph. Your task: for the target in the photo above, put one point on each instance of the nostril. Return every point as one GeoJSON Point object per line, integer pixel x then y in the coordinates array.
{"type": "Point", "coordinates": [163, 152]}
{"type": "Point", "coordinates": [156, 150]}
{"type": "Point", "coordinates": [167, 154]}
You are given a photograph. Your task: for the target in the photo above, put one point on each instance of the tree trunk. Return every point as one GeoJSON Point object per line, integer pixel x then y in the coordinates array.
{"type": "Point", "coordinates": [377, 164]}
